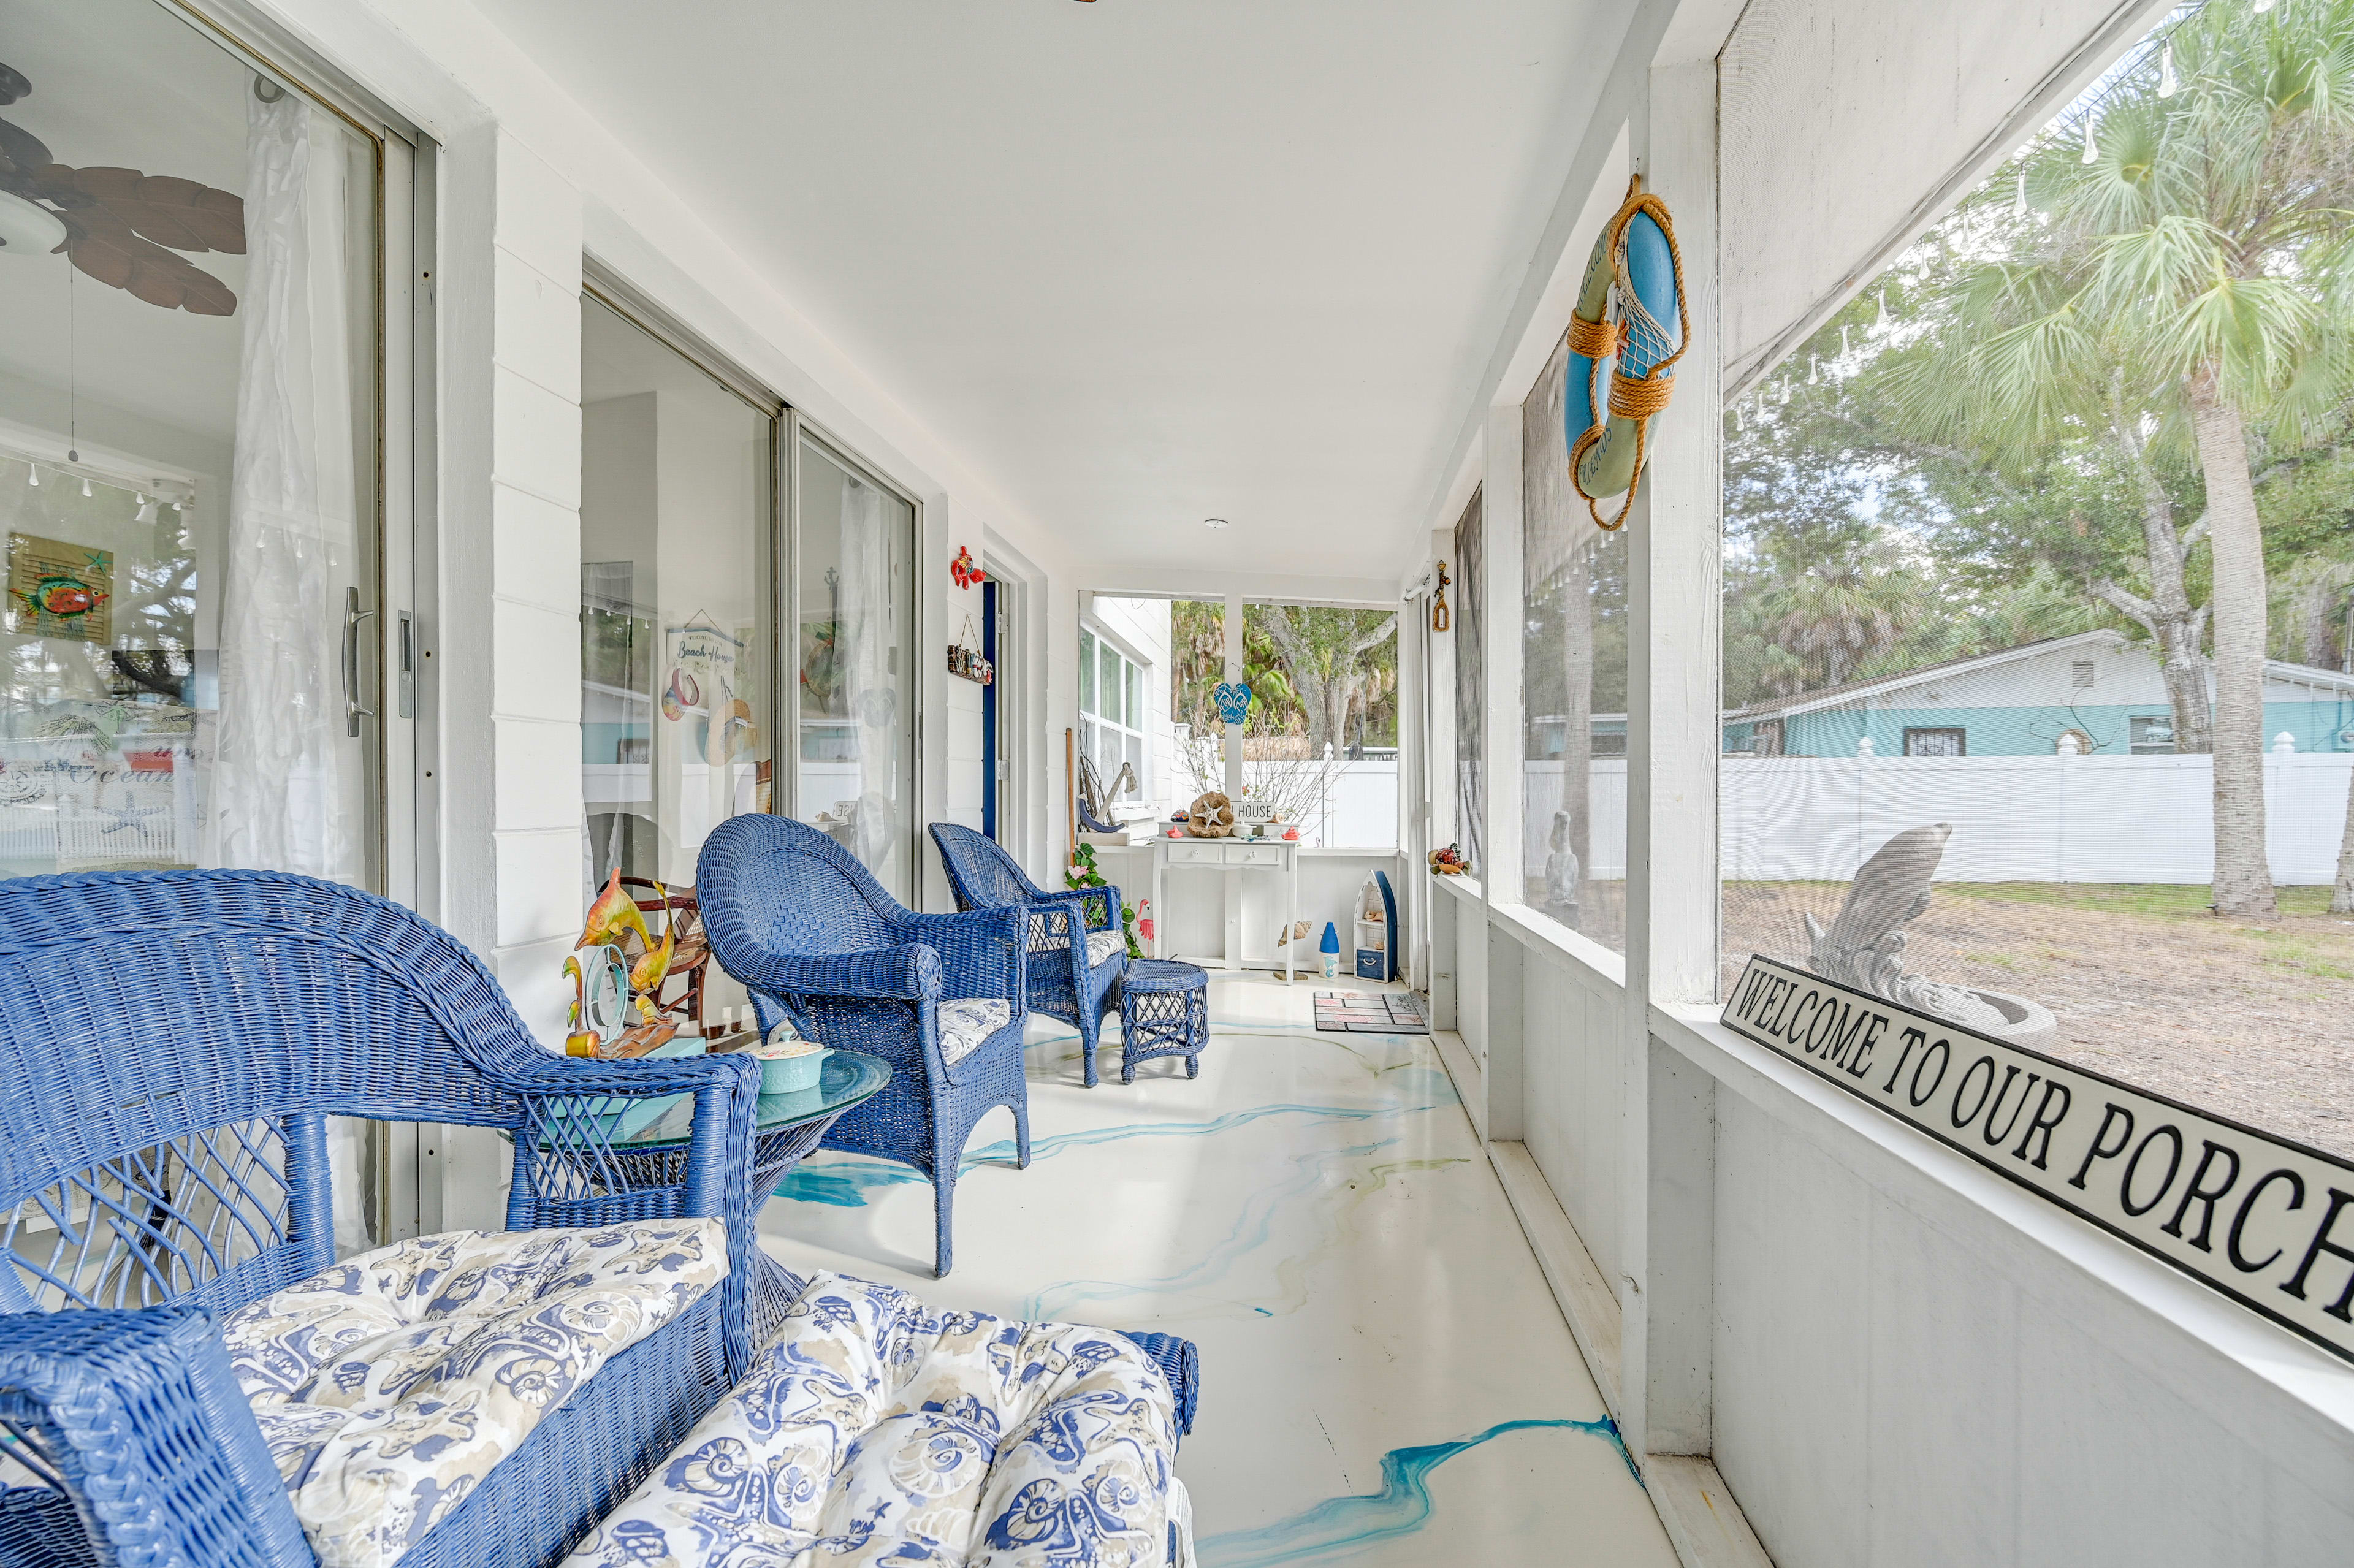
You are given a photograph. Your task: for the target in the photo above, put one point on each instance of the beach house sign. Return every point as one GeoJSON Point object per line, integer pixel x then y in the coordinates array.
{"type": "Point", "coordinates": [2267, 1221]}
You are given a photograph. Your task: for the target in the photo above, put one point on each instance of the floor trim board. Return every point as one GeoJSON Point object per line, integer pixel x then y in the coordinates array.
{"type": "Point", "coordinates": [1704, 1524]}
{"type": "Point", "coordinates": [1703, 1521]}
{"type": "Point", "coordinates": [1585, 1298]}
{"type": "Point", "coordinates": [1463, 1069]}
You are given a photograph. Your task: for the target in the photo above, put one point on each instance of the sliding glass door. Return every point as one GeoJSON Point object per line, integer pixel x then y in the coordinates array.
{"type": "Point", "coordinates": [677, 532]}
{"type": "Point", "coordinates": [854, 769]}
{"type": "Point", "coordinates": [189, 456]}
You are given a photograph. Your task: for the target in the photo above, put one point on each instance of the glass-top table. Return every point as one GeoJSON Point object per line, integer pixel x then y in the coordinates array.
{"type": "Point", "coordinates": [846, 1078]}
{"type": "Point", "coordinates": [646, 1143]}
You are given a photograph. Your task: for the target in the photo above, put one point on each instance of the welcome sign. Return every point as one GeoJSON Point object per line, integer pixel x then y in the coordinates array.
{"type": "Point", "coordinates": [2267, 1221]}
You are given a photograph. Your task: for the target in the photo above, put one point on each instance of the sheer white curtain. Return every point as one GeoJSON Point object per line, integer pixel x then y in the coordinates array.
{"type": "Point", "coordinates": [287, 790]}
{"type": "Point", "coordinates": [867, 626]}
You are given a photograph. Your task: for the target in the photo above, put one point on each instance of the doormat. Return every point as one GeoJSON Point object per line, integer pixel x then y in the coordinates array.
{"type": "Point", "coordinates": [1370, 1012]}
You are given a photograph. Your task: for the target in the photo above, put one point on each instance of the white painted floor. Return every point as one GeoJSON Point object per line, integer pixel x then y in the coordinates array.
{"type": "Point", "coordinates": [1385, 1379]}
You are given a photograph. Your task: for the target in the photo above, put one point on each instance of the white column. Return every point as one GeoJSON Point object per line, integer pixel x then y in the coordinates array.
{"type": "Point", "coordinates": [1233, 620]}
{"type": "Point", "coordinates": [507, 632]}
{"type": "Point", "coordinates": [1501, 878]}
{"type": "Point", "coordinates": [1673, 742]}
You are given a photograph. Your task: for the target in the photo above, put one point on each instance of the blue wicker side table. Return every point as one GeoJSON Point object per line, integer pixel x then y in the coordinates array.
{"type": "Point", "coordinates": [1165, 1011]}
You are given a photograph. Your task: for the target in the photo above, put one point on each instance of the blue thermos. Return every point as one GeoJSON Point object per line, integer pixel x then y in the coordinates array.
{"type": "Point", "coordinates": [1330, 948]}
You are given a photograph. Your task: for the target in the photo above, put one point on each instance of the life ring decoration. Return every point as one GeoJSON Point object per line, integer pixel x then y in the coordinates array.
{"type": "Point", "coordinates": [1634, 285]}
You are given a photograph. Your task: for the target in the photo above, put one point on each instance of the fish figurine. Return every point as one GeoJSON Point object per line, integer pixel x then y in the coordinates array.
{"type": "Point", "coordinates": [613, 913]}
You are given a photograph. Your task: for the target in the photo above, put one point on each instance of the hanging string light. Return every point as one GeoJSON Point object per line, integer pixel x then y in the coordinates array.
{"type": "Point", "coordinates": [2091, 151]}
{"type": "Point", "coordinates": [1740, 417]}
{"type": "Point", "coordinates": [1842, 340]}
{"type": "Point", "coordinates": [2167, 85]}
{"type": "Point", "coordinates": [85, 485]}
{"type": "Point", "coordinates": [1814, 369]}
{"type": "Point", "coordinates": [32, 475]}
{"type": "Point", "coordinates": [2018, 201]}
{"type": "Point", "coordinates": [1880, 322]}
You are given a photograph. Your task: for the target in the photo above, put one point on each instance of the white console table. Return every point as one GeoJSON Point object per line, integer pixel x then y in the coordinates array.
{"type": "Point", "coordinates": [1233, 856]}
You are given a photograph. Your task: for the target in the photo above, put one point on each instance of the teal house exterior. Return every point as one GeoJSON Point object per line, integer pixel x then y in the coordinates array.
{"type": "Point", "coordinates": [2098, 687]}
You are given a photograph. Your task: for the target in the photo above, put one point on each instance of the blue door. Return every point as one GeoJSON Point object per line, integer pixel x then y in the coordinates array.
{"type": "Point", "coordinates": [988, 708]}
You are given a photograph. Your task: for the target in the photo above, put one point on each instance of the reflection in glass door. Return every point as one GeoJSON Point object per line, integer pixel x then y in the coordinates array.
{"type": "Point", "coordinates": [855, 764]}
{"type": "Point", "coordinates": [677, 595]}
{"type": "Point", "coordinates": [188, 457]}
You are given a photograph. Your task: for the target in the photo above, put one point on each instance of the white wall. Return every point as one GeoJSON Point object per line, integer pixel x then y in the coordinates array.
{"type": "Point", "coordinates": [529, 178]}
{"type": "Point", "coordinates": [1917, 1365]}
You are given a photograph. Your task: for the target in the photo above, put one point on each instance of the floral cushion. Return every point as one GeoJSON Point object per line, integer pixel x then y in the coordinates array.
{"type": "Point", "coordinates": [1103, 946]}
{"type": "Point", "coordinates": [964, 1025]}
{"type": "Point", "coordinates": [875, 1430]}
{"type": "Point", "coordinates": [388, 1386]}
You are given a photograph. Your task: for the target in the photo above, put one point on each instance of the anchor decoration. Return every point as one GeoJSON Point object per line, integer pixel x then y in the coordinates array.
{"type": "Point", "coordinates": [1233, 700]}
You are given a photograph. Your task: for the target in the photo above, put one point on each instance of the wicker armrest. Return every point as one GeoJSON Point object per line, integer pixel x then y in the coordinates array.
{"type": "Point", "coordinates": [909, 972]}
{"type": "Point", "coordinates": [141, 1414]}
{"type": "Point", "coordinates": [980, 950]}
{"type": "Point", "coordinates": [1106, 898]}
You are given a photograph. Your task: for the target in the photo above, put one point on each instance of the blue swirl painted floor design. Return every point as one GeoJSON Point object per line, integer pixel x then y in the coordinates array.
{"type": "Point", "coordinates": [1402, 1506]}
{"type": "Point", "coordinates": [1316, 1213]}
{"type": "Point", "coordinates": [844, 1181]}
{"type": "Point", "coordinates": [1252, 1230]}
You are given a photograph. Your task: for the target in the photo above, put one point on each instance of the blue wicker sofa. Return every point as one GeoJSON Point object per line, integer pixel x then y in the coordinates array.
{"type": "Point", "coordinates": [173, 1046]}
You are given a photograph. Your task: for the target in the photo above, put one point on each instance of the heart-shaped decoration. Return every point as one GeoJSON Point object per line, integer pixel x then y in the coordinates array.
{"type": "Point", "coordinates": [1233, 700]}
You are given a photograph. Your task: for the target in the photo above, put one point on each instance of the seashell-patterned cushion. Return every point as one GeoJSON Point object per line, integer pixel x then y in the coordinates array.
{"type": "Point", "coordinates": [1103, 946]}
{"type": "Point", "coordinates": [874, 1429]}
{"type": "Point", "coordinates": [965, 1023]}
{"type": "Point", "coordinates": [389, 1385]}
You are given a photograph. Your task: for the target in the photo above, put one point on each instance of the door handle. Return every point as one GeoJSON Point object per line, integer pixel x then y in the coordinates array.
{"type": "Point", "coordinates": [353, 616]}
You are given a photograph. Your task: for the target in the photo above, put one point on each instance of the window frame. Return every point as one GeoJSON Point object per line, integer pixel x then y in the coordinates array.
{"type": "Point", "coordinates": [1135, 682]}
{"type": "Point", "coordinates": [1961, 739]}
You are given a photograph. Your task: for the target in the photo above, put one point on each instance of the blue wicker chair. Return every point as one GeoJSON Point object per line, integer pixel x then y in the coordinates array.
{"type": "Point", "coordinates": [174, 1042]}
{"type": "Point", "coordinates": [804, 927]}
{"type": "Point", "coordinates": [1063, 984]}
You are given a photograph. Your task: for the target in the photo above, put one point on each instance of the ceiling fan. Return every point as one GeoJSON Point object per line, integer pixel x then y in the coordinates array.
{"type": "Point", "coordinates": [120, 227]}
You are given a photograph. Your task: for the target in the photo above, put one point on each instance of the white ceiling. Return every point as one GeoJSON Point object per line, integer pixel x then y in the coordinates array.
{"type": "Point", "coordinates": [1141, 261]}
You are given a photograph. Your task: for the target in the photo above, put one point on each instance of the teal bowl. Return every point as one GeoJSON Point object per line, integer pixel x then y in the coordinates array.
{"type": "Point", "coordinates": [791, 1074]}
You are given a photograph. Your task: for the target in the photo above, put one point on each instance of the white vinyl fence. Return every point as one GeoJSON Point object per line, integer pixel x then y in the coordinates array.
{"type": "Point", "coordinates": [2016, 818]}
{"type": "Point", "coordinates": [1357, 807]}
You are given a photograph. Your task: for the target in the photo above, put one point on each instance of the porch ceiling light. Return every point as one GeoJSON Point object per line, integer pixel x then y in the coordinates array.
{"type": "Point", "coordinates": [1216, 523]}
{"type": "Point", "coordinates": [27, 228]}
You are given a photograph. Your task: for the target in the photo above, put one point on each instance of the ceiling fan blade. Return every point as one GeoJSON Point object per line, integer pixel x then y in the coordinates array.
{"type": "Point", "coordinates": [164, 208]}
{"type": "Point", "coordinates": [212, 219]}
{"type": "Point", "coordinates": [201, 293]}
{"type": "Point", "coordinates": [103, 247]}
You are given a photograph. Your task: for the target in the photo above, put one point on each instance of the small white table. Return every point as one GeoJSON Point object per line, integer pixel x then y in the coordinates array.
{"type": "Point", "coordinates": [1233, 856]}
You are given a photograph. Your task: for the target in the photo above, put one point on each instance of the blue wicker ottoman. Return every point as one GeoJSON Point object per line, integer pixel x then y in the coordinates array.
{"type": "Point", "coordinates": [1165, 1011]}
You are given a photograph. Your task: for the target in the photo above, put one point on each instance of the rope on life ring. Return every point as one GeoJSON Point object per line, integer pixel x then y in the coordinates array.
{"type": "Point", "coordinates": [1638, 269]}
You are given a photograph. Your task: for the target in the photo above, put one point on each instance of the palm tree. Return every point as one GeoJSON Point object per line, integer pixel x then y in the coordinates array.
{"type": "Point", "coordinates": [1843, 608]}
{"type": "Point", "coordinates": [2182, 278]}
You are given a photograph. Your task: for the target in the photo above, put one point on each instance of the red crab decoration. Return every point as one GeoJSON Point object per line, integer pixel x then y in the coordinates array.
{"type": "Point", "coordinates": [965, 570]}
